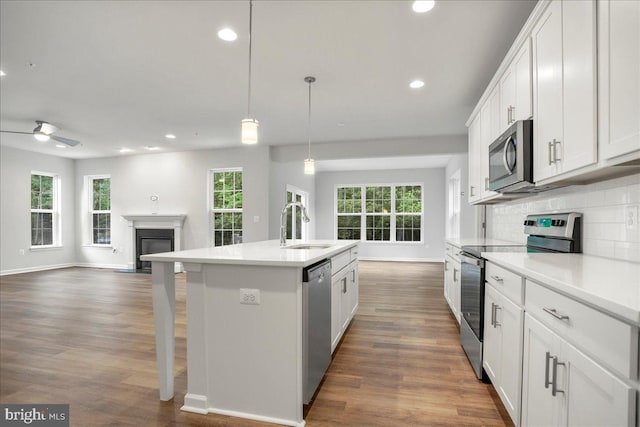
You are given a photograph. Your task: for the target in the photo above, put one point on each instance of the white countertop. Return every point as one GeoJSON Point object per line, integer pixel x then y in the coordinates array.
{"type": "Point", "coordinates": [610, 285]}
{"type": "Point", "coordinates": [267, 253]}
{"type": "Point", "coordinates": [478, 241]}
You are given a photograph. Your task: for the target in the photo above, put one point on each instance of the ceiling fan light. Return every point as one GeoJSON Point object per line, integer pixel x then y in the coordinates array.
{"type": "Point", "coordinates": [309, 167]}
{"type": "Point", "coordinates": [41, 136]}
{"type": "Point", "coordinates": [249, 133]}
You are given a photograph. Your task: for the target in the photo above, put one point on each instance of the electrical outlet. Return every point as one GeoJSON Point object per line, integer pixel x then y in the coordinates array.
{"type": "Point", "coordinates": [250, 296]}
{"type": "Point", "coordinates": [631, 217]}
{"type": "Point", "coordinates": [21, 251]}
{"type": "Point", "coordinates": [256, 219]}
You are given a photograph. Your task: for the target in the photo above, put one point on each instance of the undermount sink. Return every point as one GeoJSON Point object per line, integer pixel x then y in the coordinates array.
{"type": "Point", "coordinates": [307, 246]}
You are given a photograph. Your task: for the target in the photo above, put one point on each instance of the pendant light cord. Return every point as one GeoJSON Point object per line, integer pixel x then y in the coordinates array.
{"type": "Point", "coordinates": [309, 120]}
{"type": "Point", "coordinates": [250, 25]}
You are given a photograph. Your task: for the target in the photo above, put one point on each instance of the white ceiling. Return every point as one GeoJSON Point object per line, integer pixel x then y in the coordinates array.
{"type": "Point", "coordinates": [118, 74]}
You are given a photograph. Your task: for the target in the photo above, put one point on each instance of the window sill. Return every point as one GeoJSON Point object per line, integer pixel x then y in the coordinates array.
{"type": "Point", "coordinates": [98, 246]}
{"type": "Point", "coordinates": [46, 248]}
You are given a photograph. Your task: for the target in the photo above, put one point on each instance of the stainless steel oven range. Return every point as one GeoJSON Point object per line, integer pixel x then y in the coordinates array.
{"type": "Point", "coordinates": [557, 232]}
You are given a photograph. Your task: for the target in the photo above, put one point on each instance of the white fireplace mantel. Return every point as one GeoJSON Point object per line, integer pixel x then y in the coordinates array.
{"type": "Point", "coordinates": [135, 221]}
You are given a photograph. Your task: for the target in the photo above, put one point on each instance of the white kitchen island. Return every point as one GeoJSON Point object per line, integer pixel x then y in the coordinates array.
{"type": "Point", "coordinates": [243, 360]}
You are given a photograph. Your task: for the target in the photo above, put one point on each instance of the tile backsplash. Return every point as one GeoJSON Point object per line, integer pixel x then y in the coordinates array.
{"type": "Point", "coordinates": [604, 206]}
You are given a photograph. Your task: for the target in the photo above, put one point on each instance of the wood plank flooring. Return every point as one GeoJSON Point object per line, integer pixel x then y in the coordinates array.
{"type": "Point", "coordinates": [85, 337]}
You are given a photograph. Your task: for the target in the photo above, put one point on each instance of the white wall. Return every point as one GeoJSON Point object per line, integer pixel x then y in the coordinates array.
{"type": "Point", "coordinates": [432, 248]}
{"type": "Point", "coordinates": [468, 218]}
{"type": "Point", "coordinates": [603, 205]}
{"type": "Point", "coordinates": [180, 181]}
{"type": "Point", "coordinates": [292, 173]}
{"type": "Point", "coordinates": [15, 204]}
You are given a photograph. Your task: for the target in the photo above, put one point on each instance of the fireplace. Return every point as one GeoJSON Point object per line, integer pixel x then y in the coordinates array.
{"type": "Point", "coordinates": [171, 224]}
{"type": "Point", "coordinates": [152, 241]}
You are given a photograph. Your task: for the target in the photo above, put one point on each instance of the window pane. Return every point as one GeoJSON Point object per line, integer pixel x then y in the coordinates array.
{"type": "Point", "coordinates": [378, 199]}
{"type": "Point", "coordinates": [408, 228]}
{"type": "Point", "coordinates": [41, 192]}
{"type": "Point", "coordinates": [378, 227]}
{"type": "Point", "coordinates": [409, 199]}
{"type": "Point", "coordinates": [102, 194]}
{"type": "Point", "coordinates": [349, 227]}
{"type": "Point", "coordinates": [41, 228]}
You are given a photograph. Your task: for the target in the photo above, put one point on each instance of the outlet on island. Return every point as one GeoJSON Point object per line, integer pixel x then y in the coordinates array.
{"type": "Point", "coordinates": [249, 296]}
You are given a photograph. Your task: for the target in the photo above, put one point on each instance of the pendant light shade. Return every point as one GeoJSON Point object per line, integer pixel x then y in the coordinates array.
{"type": "Point", "coordinates": [309, 163]}
{"type": "Point", "coordinates": [249, 130]}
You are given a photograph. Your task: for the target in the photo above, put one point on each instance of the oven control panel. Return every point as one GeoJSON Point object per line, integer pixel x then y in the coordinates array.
{"type": "Point", "coordinates": [563, 225]}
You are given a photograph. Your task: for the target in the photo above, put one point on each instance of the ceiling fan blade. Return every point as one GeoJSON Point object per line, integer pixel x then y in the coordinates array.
{"type": "Point", "coordinates": [69, 142]}
{"type": "Point", "coordinates": [13, 131]}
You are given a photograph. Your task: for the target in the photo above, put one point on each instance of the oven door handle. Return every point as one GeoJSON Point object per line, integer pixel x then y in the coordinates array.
{"type": "Point", "coordinates": [471, 260]}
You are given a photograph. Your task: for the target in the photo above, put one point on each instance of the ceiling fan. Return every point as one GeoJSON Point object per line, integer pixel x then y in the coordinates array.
{"type": "Point", "coordinates": [45, 131]}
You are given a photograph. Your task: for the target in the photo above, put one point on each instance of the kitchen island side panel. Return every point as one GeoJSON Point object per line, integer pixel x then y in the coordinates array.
{"type": "Point", "coordinates": [254, 352]}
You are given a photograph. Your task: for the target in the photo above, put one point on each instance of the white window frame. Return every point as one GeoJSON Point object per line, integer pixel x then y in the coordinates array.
{"type": "Point", "coordinates": [56, 218]}
{"type": "Point", "coordinates": [304, 198]}
{"type": "Point", "coordinates": [210, 200]}
{"type": "Point", "coordinates": [89, 185]}
{"type": "Point", "coordinates": [454, 199]}
{"type": "Point", "coordinates": [392, 214]}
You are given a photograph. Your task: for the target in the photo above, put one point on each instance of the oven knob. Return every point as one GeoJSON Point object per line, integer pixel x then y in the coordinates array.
{"type": "Point", "coordinates": [529, 222]}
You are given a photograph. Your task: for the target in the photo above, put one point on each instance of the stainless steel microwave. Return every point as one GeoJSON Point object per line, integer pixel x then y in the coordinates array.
{"type": "Point", "coordinates": [511, 159]}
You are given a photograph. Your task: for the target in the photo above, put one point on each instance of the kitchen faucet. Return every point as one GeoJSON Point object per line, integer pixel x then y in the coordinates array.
{"type": "Point", "coordinates": [283, 220]}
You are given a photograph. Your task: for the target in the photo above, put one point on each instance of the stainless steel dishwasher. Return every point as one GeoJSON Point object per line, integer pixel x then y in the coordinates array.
{"type": "Point", "coordinates": [316, 326]}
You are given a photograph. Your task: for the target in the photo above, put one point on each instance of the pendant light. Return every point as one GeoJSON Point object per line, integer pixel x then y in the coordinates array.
{"type": "Point", "coordinates": [249, 131]}
{"type": "Point", "coordinates": [309, 163]}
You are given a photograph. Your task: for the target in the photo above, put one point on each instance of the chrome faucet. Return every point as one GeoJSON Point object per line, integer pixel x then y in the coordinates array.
{"type": "Point", "coordinates": [283, 220]}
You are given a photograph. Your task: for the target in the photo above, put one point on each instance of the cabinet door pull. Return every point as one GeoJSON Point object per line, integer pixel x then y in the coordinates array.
{"type": "Point", "coordinates": [555, 150]}
{"type": "Point", "coordinates": [455, 274]}
{"type": "Point", "coordinates": [549, 149]}
{"type": "Point", "coordinates": [471, 193]}
{"type": "Point", "coordinates": [513, 114]}
{"type": "Point", "coordinates": [353, 276]}
{"type": "Point", "coordinates": [554, 313]}
{"type": "Point", "coordinates": [547, 383]}
{"type": "Point", "coordinates": [493, 314]}
{"type": "Point", "coordinates": [446, 265]}
{"type": "Point", "coordinates": [486, 183]}
{"type": "Point", "coordinates": [344, 285]}
{"type": "Point", "coordinates": [495, 317]}
{"type": "Point", "coordinates": [497, 279]}
{"type": "Point", "coordinates": [554, 380]}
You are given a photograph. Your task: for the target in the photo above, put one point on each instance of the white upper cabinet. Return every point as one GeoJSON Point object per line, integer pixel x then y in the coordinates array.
{"type": "Point", "coordinates": [515, 89]}
{"type": "Point", "coordinates": [619, 77]}
{"type": "Point", "coordinates": [564, 88]}
{"type": "Point", "coordinates": [489, 131]}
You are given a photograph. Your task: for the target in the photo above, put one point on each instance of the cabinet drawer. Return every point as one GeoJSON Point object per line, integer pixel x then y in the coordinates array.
{"type": "Point", "coordinates": [508, 283]}
{"type": "Point", "coordinates": [608, 340]}
{"type": "Point", "coordinates": [452, 251]}
{"type": "Point", "coordinates": [340, 261]}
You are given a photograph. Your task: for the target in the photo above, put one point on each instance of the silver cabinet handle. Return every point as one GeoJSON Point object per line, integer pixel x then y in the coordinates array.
{"type": "Point", "coordinates": [555, 150]}
{"type": "Point", "coordinates": [486, 183]}
{"type": "Point", "coordinates": [493, 314]}
{"type": "Point", "coordinates": [353, 276]}
{"type": "Point", "coordinates": [547, 383]}
{"type": "Point", "coordinates": [495, 317]}
{"type": "Point", "coordinates": [554, 379]}
{"type": "Point", "coordinates": [471, 193]}
{"type": "Point", "coordinates": [344, 285]}
{"type": "Point", "coordinates": [513, 114]}
{"type": "Point", "coordinates": [497, 279]}
{"type": "Point", "coordinates": [554, 313]}
{"type": "Point", "coordinates": [446, 265]}
{"type": "Point", "coordinates": [455, 274]}
{"type": "Point", "coordinates": [549, 149]}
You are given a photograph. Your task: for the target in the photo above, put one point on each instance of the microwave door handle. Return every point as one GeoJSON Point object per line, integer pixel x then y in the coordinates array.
{"type": "Point", "coordinates": [504, 157]}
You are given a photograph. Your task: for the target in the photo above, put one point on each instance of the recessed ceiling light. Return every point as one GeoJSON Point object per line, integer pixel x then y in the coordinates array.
{"type": "Point", "coordinates": [150, 148]}
{"type": "Point", "coordinates": [227, 34]}
{"type": "Point", "coordinates": [2, 73]}
{"type": "Point", "coordinates": [61, 146]}
{"type": "Point", "coordinates": [170, 136]}
{"type": "Point", "coordinates": [416, 84]}
{"type": "Point", "coordinates": [126, 150]}
{"type": "Point", "coordinates": [423, 6]}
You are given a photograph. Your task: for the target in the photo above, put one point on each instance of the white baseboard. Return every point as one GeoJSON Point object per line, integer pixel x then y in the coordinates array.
{"type": "Point", "coordinates": [385, 259]}
{"type": "Point", "coordinates": [34, 269]}
{"type": "Point", "coordinates": [257, 417]}
{"type": "Point", "coordinates": [97, 265]}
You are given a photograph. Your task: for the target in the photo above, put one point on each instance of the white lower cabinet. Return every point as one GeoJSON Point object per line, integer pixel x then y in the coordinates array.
{"type": "Point", "coordinates": [502, 349]}
{"type": "Point", "coordinates": [452, 269]}
{"type": "Point", "coordinates": [345, 294]}
{"type": "Point", "coordinates": [564, 387]}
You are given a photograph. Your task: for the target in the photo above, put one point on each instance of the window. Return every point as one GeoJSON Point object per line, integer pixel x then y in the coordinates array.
{"type": "Point", "coordinates": [295, 226]}
{"type": "Point", "coordinates": [226, 206]}
{"type": "Point", "coordinates": [453, 211]}
{"type": "Point", "coordinates": [45, 218]}
{"type": "Point", "coordinates": [392, 213]}
{"type": "Point", "coordinates": [100, 193]}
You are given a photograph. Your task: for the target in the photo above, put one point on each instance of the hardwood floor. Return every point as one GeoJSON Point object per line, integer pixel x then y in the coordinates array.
{"type": "Point", "coordinates": [85, 337]}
